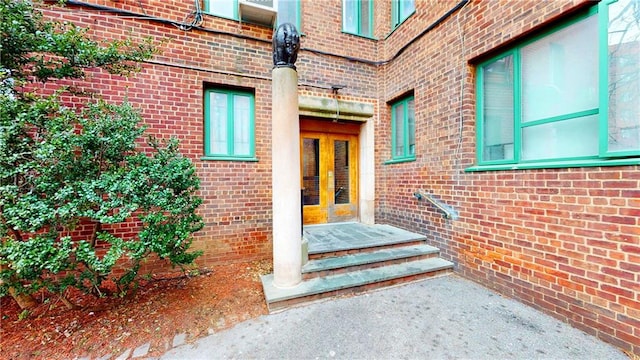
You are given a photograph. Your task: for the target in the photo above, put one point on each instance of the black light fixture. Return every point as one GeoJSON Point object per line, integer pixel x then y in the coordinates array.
{"type": "Point", "coordinates": [335, 88]}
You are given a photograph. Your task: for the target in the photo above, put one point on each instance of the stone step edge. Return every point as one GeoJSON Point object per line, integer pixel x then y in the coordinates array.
{"type": "Point", "coordinates": [351, 279]}
{"type": "Point", "coordinates": [357, 259]}
{"type": "Point", "coordinates": [388, 241]}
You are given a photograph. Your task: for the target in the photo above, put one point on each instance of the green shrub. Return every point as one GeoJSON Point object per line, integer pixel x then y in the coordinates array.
{"type": "Point", "coordinates": [64, 167]}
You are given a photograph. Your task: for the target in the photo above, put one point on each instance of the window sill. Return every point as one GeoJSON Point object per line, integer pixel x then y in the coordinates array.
{"type": "Point", "coordinates": [555, 165]}
{"type": "Point", "coordinates": [400, 160]}
{"type": "Point", "coordinates": [359, 35]}
{"type": "Point", "coordinates": [228, 158]}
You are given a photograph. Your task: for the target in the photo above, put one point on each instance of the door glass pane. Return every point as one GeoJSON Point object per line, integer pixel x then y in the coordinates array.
{"type": "Point", "coordinates": [624, 73]}
{"type": "Point", "coordinates": [218, 123]}
{"type": "Point", "coordinates": [241, 122]}
{"type": "Point", "coordinates": [311, 171]}
{"type": "Point", "coordinates": [561, 139]}
{"type": "Point", "coordinates": [341, 171]}
{"type": "Point", "coordinates": [497, 95]}
{"type": "Point", "coordinates": [560, 72]}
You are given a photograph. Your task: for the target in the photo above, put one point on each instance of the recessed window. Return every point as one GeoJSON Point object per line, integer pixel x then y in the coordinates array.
{"type": "Point", "coordinates": [229, 125]}
{"type": "Point", "coordinates": [357, 17]}
{"type": "Point", "coordinates": [563, 96]}
{"type": "Point", "coordinates": [403, 130]}
{"type": "Point", "coordinates": [401, 10]}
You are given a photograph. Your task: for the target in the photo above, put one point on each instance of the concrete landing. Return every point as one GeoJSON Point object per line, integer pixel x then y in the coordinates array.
{"type": "Point", "coordinates": [347, 236]}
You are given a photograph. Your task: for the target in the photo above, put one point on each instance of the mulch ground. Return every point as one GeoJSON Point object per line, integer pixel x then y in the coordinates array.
{"type": "Point", "coordinates": [160, 309]}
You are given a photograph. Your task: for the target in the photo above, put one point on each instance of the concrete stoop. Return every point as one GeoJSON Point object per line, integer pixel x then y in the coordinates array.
{"type": "Point", "coordinates": [373, 265]}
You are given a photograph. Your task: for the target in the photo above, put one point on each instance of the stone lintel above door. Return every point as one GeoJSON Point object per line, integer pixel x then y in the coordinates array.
{"type": "Point", "coordinates": [330, 108]}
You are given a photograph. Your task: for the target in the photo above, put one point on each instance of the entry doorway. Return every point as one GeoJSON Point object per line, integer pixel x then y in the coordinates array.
{"type": "Point", "coordinates": [329, 171]}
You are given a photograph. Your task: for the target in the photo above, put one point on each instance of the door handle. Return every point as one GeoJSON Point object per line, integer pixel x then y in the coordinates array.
{"type": "Point", "coordinates": [331, 181]}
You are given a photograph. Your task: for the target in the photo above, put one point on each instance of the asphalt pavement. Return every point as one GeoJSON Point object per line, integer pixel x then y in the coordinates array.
{"type": "Point", "coordinates": [441, 318]}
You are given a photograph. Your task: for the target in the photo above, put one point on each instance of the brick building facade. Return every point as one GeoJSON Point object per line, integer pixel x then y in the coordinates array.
{"type": "Point", "coordinates": [559, 233]}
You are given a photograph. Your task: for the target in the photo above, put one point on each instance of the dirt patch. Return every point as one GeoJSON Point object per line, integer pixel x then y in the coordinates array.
{"type": "Point", "coordinates": [160, 309]}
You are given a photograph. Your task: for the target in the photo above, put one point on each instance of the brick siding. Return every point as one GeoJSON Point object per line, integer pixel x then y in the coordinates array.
{"type": "Point", "coordinates": [565, 241]}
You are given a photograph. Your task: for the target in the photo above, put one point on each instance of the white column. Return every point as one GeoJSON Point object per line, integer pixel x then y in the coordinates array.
{"type": "Point", "coordinates": [285, 157]}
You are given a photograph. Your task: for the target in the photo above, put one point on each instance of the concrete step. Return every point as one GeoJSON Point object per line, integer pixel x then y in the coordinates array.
{"type": "Point", "coordinates": [344, 239]}
{"type": "Point", "coordinates": [351, 282]}
{"type": "Point", "coordinates": [366, 260]}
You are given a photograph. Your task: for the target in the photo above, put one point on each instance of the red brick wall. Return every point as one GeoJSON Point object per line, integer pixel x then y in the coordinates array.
{"type": "Point", "coordinates": [169, 92]}
{"type": "Point", "coordinates": [566, 241]}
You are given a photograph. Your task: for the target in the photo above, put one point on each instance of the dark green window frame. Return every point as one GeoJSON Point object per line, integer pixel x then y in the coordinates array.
{"type": "Point", "coordinates": [403, 130]}
{"type": "Point", "coordinates": [235, 139]}
{"type": "Point", "coordinates": [401, 10]}
{"type": "Point", "coordinates": [357, 17]}
{"type": "Point", "coordinates": [602, 124]}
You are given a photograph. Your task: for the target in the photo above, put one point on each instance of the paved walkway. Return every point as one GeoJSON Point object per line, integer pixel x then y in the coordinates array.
{"type": "Point", "coordinates": [442, 318]}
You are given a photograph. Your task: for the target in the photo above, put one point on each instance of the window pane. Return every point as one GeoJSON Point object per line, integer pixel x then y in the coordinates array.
{"type": "Point", "coordinates": [411, 126]}
{"type": "Point", "coordinates": [561, 139]}
{"type": "Point", "coordinates": [624, 73]}
{"type": "Point", "coordinates": [365, 20]}
{"type": "Point", "coordinates": [560, 72]}
{"type": "Point", "coordinates": [497, 92]}
{"type": "Point", "coordinates": [311, 171]}
{"type": "Point", "coordinates": [398, 125]}
{"type": "Point", "coordinates": [288, 12]}
{"type": "Point", "coordinates": [341, 171]}
{"type": "Point", "coordinates": [406, 8]}
{"type": "Point", "coordinates": [350, 16]}
{"type": "Point", "coordinates": [224, 8]}
{"type": "Point", "coordinates": [241, 125]}
{"type": "Point", "coordinates": [267, 3]}
{"type": "Point", "coordinates": [218, 123]}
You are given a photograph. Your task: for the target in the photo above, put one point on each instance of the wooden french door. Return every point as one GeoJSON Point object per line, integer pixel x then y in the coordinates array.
{"type": "Point", "coordinates": [329, 168]}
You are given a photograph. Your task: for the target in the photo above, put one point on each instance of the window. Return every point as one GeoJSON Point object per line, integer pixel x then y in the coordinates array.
{"type": "Point", "coordinates": [403, 130]}
{"type": "Point", "coordinates": [223, 8]}
{"type": "Point", "coordinates": [229, 125]}
{"type": "Point", "coordinates": [289, 12]}
{"type": "Point", "coordinates": [562, 97]}
{"type": "Point", "coordinates": [357, 17]}
{"type": "Point", "coordinates": [400, 11]}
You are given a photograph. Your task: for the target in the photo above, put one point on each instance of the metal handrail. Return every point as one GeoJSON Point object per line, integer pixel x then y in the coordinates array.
{"type": "Point", "coordinates": [447, 211]}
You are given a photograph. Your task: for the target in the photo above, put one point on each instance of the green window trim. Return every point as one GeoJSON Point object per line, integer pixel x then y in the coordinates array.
{"type": "Point", "coordinates": [555, 165]}
{"type": "Point", "coordinates": [361, 24]}
{"type": "Point", "coordinates": [401, 10]}
{"type": "Point", "coordinates": [403, 127]}
{"type": "Point", "coordinates": [511, 155]}
{"type": "Point", "coordinates": [229, 101]}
